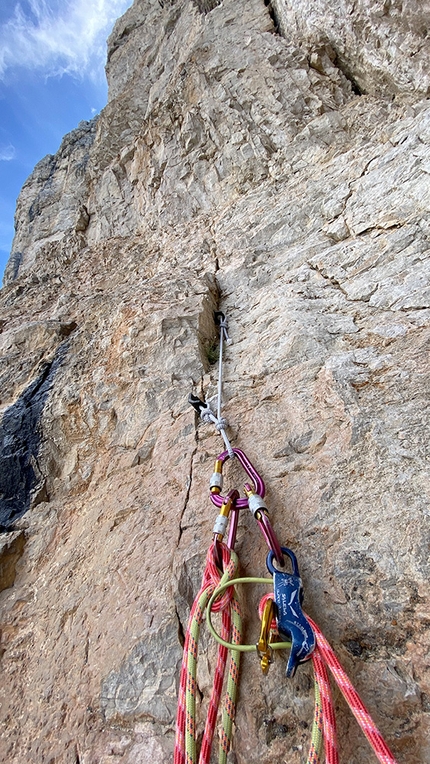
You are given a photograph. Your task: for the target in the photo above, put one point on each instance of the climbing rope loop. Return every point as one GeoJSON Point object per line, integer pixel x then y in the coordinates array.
{"type": "Point", "coordinates": [316, 746]}
{"type": "Point", "coordinates": [323, 657]}
{"type": "Point", "coordinates": [283, 623]}
{"type": "Point", "coordinates": [227, 605]}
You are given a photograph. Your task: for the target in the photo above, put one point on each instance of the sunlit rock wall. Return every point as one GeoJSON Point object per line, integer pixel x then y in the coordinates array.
{"type": "Point", "coordinates": [271, 161]}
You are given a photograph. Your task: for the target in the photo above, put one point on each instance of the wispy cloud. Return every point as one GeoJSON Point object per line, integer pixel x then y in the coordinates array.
{"type": "Point", "coordinates": [7, 153]}
{"type": "Point", "coordinates": [59, 37]}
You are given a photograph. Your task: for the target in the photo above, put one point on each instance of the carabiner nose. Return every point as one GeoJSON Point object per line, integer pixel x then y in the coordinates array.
{"type": "Point", "coordinates": [291, 620]}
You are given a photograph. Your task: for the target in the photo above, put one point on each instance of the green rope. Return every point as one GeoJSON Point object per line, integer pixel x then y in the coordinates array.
{"type": "Point", "coordinates": [191, 688]}
{"type": "Point", "coordinates": [315, 750]}
{"type": "Point", "coordinates": [219, 590]}
{"type": "Point", "coordinates": [233, 676]}
{"type": "Point", "coordinates": [229, 707]}
{"type": "Point", "coordinates": [316, 747]}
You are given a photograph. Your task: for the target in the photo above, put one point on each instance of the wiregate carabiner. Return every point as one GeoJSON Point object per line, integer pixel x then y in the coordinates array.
{"type": "Point", "coordinates": [216, 480]}
{"type": "Point", "coordinates": [291, 620]}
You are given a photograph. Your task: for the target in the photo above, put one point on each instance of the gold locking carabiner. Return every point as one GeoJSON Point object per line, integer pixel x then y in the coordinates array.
{"type": "Point", "coordinates": [264, 651]}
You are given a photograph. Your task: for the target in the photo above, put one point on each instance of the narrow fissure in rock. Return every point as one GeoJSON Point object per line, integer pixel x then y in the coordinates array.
{"type": "Point", "coordinates": [344, 68]}
{"type": "Point", "coordinates": [273, 16]}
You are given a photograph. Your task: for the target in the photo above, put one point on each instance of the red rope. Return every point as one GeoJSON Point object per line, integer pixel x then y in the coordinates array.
{"type": "Point", "coordinates": [215, 698]}
{"type": "Point", "coordinates": [211, 579]}
{"type": "Point", "coordinates": [351, 696]}
{"type": "Point", "coordinates": [328, 714]}
{"type": "Point", "coordinates": [323, 656]}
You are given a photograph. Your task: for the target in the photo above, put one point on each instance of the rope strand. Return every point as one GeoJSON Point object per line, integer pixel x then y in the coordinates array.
{"type": "Point", "coordinates": [328, 715]}
{"type": "Point", "coordinates": [315, 751]}
{"type": "Point", "coordinates": [185, 741]}
{"type": "Point", "coordinates": [217, 594]}
{"type": "Point", "coordinates": [324, 715]}
{"type": "Point", "coordinates": [353, 699]}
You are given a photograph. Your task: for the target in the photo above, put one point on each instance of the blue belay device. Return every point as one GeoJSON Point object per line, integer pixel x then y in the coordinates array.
{"type": "Point", "coordinates": [292, 623]}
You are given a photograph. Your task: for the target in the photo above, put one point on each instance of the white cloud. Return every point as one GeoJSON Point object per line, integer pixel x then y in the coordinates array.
{"type": "Point", "coordinates": [7, 153]}
{"type": "Point", "coordinates": [59, 37]}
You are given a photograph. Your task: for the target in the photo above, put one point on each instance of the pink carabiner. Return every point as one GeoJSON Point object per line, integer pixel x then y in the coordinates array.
{"type": "Point", "coordinates": [250, 470]}
{"type": "Point", "coordinates": [271, 538]}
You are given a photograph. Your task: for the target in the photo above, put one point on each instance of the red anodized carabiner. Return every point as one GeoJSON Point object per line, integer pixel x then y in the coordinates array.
{"type": "Point", "coordinates": [254, 500]}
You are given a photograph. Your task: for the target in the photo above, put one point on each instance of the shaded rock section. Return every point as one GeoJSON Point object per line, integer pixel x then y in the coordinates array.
{"type": "Point", "coordinates": [21, 479]}
{"type": "Point", "coordinates": [11, 549]}
{"type": "Point", "coordinates": [381, 47]}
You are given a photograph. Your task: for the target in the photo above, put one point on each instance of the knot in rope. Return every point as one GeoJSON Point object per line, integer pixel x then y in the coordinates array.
{"type": "Point", "coordinates": [207, 415]}
{"type": "Point", "coordinates": [213, 576]}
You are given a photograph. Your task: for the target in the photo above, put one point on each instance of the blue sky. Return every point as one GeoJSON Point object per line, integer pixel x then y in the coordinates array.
{"type": "Point", "coordinates": [52, 56]}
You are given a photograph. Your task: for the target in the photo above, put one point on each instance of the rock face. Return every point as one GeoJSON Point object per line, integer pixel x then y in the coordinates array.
{"type": "Point", "coordinates": [271, 161]}
{"type": "Point", "coordinates": [381, 46]}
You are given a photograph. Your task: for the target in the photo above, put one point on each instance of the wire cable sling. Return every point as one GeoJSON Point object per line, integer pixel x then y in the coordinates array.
{"type": "Point", "coordinates": [203, 408]}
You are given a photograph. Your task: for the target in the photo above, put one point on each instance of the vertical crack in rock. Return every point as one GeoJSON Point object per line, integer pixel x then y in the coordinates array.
{"type": "Point", "coordinates": [382, 51]}
{"type": "Point", "coordinates": [207, 333]}
{"type": "Point", "coordinates": [345, 70]}
{"type": "Point", "coordinates": [11, 549]}
{"type": "Point", "coordinates": [187, 496]}
{"type": "Point", "coordinates": [206, 338]}
{"type": "Point", "coordinates": [206, 6]}
{"type": "Point", "coordinates": [21, 479]}
{"type": "Point", "coordinates": [181, 632]}
{"type": "Point", "coordinates": [273, 15]}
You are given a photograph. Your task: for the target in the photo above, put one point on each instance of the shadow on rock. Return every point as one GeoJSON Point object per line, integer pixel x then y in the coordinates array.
{"type": "Point", "coordinates": [20, 438]}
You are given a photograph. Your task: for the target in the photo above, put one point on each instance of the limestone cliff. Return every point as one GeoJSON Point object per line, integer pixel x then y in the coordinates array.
{"type": "Point", "coordinates": [270, 160]}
